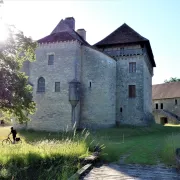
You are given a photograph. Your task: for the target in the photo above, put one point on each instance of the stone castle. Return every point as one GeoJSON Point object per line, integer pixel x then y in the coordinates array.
{"type": "Point", "coordinates": [95, 86]}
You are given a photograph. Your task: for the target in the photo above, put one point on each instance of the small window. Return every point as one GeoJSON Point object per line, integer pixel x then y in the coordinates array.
{"type": "Point", "coordinates": [121, 109]}
{"type": "Point", "coordinates": [161, 105]}
{"type": "Point", "coordinates": [51, 59]}
{"type": "Point", "coordinates": [132, 91]}
{"type": "Point", "coordinates": [132, 67]}
{"type": "Point", "coordinates": [175, 101]}
{"type": "Point", "coordinates": [156, 105]}
{"type": "Point", "coordinates": [57, 86]}
{"type": "Point", "coordinates": [90, 84]}
{"type": "Point", "coordinates": [41, 85]}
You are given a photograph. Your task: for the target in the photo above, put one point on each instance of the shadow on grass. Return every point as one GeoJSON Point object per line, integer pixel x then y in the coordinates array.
{"type": "Point", "coordinates": [32, 166]}
{"type": "Point", "coordinates": [34, 136]}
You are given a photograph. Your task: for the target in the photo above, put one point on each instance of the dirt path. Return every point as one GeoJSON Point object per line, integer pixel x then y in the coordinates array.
{"type": "Point", "coordinates": [131, 172]}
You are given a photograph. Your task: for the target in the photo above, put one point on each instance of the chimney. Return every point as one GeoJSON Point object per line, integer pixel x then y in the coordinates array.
{"type": "Point", "coordinates": [82, 33]}
{"type": "Point", "coordinates": [70, 21]}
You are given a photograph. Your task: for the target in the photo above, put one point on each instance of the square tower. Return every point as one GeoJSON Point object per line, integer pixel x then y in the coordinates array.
{"type": "Point", "coordinates": [134, 71]}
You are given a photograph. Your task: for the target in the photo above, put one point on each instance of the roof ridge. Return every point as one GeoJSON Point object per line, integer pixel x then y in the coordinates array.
{"type": "Point", "coordinates": [166, 90]}
{"type": "Point", "coordinates": [165, 83]}
{"type": "Point", "coordinates": [61, 27]}
{"type": "Point", "coordinates": [124, 25]}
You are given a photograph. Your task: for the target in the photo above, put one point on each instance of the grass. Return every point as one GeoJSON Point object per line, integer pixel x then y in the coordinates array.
{"type": "Point", "coordinates": [42, 155]}
{"type": "Point", "coordinates": [56, 155]}
{"type": "Point", "coordinates": [142, 145]}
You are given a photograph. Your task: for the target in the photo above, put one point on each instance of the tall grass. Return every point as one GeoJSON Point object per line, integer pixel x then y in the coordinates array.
{"type": "Point", "coordinates": [57, 157]}
{"type": "Point", "coordinates": [171, 143]}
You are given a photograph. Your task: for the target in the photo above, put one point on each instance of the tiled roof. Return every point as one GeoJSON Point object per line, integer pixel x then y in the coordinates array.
{"type": "Point", "coordinates": [126, 35]}
{"type": "Point", "coordinates": [57, 37]}
{"type": "Point", "coordinates": [166, 90]}
{"type": "Point", "coordinates": [62, 32]}
{"type": "Point", "coordinates": [123, 34]}
{"type": "Point", "coordinates": [63, 36]}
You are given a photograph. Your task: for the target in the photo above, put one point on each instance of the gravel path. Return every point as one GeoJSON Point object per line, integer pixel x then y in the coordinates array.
{"type": "Point", "coordinates": [131, 172]}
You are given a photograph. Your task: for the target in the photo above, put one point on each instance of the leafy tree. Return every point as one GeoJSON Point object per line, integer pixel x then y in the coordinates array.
{"type": "Point", "coordinates": [15, 91]}
{"type": "Point", "coordinates": [172, 80]}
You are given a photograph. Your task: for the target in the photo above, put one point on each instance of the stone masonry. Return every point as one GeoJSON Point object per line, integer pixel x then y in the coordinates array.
{"type": "Point", "coordinates": [166, 103]}
{"type": "Point", "coordinates": [103, 73]}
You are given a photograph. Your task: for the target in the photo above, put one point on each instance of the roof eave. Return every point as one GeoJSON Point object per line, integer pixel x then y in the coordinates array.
{"type": "Point", "coordinates": [133, 42]}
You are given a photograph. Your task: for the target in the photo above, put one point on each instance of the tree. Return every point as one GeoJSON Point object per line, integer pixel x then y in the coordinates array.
{"type": "Point", "coordinates": [172, 80]}
{"type": "Point", "coordinates": [15, 91]}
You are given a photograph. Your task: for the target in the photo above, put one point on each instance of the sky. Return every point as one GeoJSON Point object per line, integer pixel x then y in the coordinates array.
{"type": "Point", "coordinates": [157, 20]}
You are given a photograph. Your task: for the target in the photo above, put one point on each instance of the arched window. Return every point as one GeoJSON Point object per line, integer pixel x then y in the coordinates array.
{"type": "Point", "coordinates": [41, 85]}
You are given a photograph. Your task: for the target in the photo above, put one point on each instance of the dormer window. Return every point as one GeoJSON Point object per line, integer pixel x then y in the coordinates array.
{"type": "Point", "coordinates": [50, 59]}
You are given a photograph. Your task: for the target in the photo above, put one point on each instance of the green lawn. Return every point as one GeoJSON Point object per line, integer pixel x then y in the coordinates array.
{"type": "Point", "coordinates": [142, 145]}
{"type": "Point", "coordinates": [46, 155]}
{"type": "Point", "coordinates": [42, 155]}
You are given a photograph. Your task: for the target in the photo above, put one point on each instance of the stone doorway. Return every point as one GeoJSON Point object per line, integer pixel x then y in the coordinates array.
{"type": "Point", "coordinates": [164, 120]}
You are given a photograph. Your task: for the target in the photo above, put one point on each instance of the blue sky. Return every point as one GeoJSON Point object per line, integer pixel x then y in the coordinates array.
{"type": "Point", "coordinates": [157, 20]}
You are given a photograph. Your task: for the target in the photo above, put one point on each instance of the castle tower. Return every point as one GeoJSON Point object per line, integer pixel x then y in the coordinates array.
{"type": "Point", "coordinates": [134, 71]}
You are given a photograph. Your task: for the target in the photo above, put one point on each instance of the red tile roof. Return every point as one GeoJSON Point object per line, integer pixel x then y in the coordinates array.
{"type": "Point", "coordinates": [166, 90]}
{"type": "Point", "coordinates": [126, 35]}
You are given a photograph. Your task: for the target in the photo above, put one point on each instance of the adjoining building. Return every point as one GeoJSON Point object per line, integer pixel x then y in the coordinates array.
{"type": "Point", "coordinates": [166, 103]}
{"type": "Point", "coordinates": [91, 86]}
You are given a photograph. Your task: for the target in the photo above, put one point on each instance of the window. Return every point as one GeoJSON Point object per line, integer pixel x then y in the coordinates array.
{"type": "Point", "coordinates": [132, 67]}
{"type": "Point", "coordinates": [132, 91]}
{"type": "Point", "coordinates": [41, 85]}
{"type": "Point", "coordinates": [161, 105]}
{"type": "Point", "coordinates": [57, 86]}
{"type": "Point", "coordinates": [156, 106]}
{"type": "Point", "coordinates": [121, 109]}
{"type": "Point", "coordinates": [90, 84]}
{"type": "Point", "coordinates": [50, 59]}
{"type": "Point", "coordinates": [175, 101]}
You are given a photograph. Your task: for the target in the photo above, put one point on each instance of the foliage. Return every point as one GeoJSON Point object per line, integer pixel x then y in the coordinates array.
{"type": "Point", "coordinates": [43, 155]}
{"type": "Point", "coordinates": [172, 80]}
{"type": "Point", "coordinates": [15, 92]}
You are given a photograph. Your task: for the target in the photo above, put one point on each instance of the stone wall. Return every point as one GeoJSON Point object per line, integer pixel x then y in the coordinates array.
{"type": "Point", "coordinates": [98, 103]}
{"type": "Point", "coordinates": [147, 74]}
{"type": "Point", "coordinates": [104, 87]}
{"type": "Point", "coordinates": [132, 108]}
{"type": "Point", "coordinates": [168, 105]}
{"type": "Point", "coordinates": [138, 110]}
{"type": "Point", "coordinates": [53, 108]}
{"type": "Point", "coordinates": [158, 117]}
